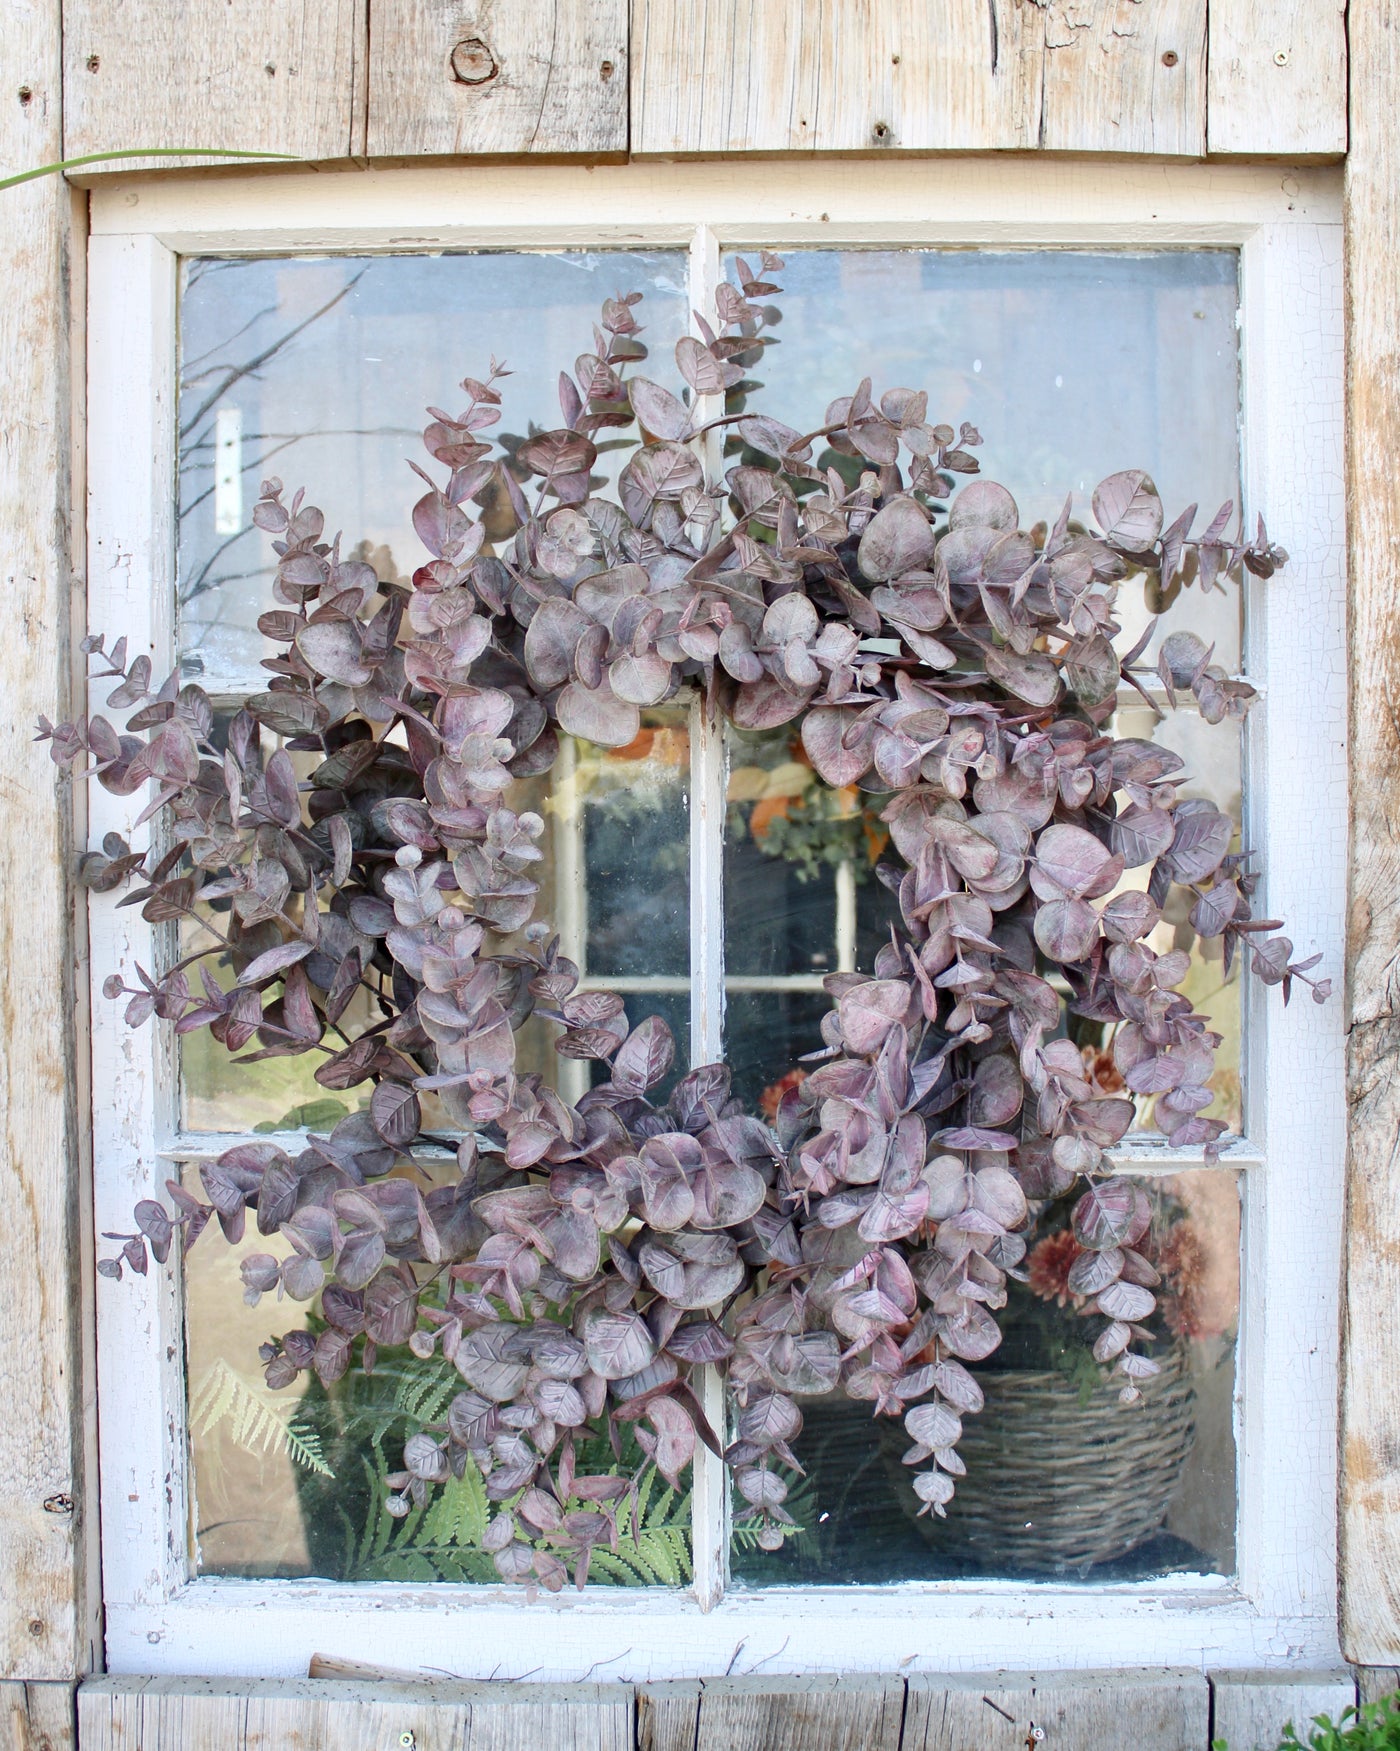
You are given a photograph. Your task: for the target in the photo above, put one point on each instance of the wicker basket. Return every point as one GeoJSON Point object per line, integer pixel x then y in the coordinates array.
{"type": "Point", "coordinates": [1055, 1483]}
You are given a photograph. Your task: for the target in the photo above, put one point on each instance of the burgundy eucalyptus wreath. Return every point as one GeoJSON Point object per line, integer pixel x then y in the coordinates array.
{"type": "Point", "coordinates": [585, 1260]}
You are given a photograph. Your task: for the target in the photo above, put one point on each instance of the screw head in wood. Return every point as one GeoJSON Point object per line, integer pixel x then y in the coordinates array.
{"type": "Point", "coordinates": [1281, 57]}
{"type": "Point", "coordinates": [1171, 58]}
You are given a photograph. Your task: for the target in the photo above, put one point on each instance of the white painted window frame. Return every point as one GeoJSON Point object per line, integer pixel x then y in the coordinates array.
{"type": "Point", "coordinates": [1280, 1608]}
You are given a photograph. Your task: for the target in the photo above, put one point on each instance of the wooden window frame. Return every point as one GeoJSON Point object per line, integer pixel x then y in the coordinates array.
{"type": "Point", "coordinates": [1280, 1609]}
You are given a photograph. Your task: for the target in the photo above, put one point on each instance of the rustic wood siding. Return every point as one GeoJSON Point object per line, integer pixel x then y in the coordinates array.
{"type": "Point", "coordinates": [38, 1717]}
{"type": "Point", "coordinates": [734, 76]}
{"type": "Point", "coordinates": [312, 79]}
{"type": "Point", "coordinates": [328, 80]}
{"type": "Point", "coordinates": [1370, 1522]}
{"type": "Point", "coordinates": [498, 76]}
{"type": "Point", "coordinates": [1251, 1709]}
{"type": "Point", "coordinates": [1077, 1711]}
{"type": "Point", "coordinates": [772, 1714]}
{"type": "Point", "coordinates": [250, 1714]}
{"type": "Point", "coordinates": [258, 76]}
{"type": "Point", "coordinates": [1278, 76]}
{"type": "Point", "coordinates": [44, 1632]}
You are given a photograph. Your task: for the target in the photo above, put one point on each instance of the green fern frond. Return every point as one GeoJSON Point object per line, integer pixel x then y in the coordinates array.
{"type": "Point", "coordinates": [223, 1400]}
{"type": "Point", "coordinates": [304, 1445]}
{"type": "Point", "coordinates": [425, 1397]}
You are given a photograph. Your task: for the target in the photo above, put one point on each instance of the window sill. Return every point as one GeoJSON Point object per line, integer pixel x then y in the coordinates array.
{"type": "Point", "coordinates": [273, 1628]}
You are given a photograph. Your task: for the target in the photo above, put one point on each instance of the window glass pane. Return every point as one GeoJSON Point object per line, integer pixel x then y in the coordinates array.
{"type": "Point", "coordinates": [1063, 1481]}
{"type": "Point", "coordinates": [292, 1482]}
{"type": "Point", "coordinates": [801, 899]}
{"type": "Point", "coordinates": [1071, 365]}
{"type": "Point", "coordinates": [614, 881]}
{"type": "Point", "coordinates": [1212, 755]}
{"type": "Point", "coordinates": [319, 371]}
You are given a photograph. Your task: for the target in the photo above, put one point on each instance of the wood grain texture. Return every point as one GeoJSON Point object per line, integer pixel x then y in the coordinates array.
{"type": "Point", "coordinates": [259, 76]}
{"type": "Point", "coordinates": [1124, 76]}
{"type": "Point", "coordinates": [37, 1717]}
{"type": "Point", "coordinates": [1370, 1447]}
{"type": "Point", "coordinates": [43, 1628]}
{"type": "Point", "coordinates": [736, 76]}
{"type": "Point", "coordinates": [1278, 77]}
{"type": "Point", "coordinates": [668, 1715]}
{"type": "Point", "coordinates": [967, 75]}
{"type": "Point", "coordinates": [1251, 1709]}
{"type": "Point", "coordinates": [849, 1713]}
{"type": "Point", "coordinates": [251, 1714]}
{"type": "Point", "coordinates": [1076, 1711]}
{"type": "Point", "coordinates": [498, 76]}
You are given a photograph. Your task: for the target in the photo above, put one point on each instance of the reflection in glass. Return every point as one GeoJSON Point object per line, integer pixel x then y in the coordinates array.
{"type": "Point", "coordinates": [801, 900]}
{"type": "Point", "coordinates": [319, 371]}
{"type": "Point", "coordinates": [1071, 365]}
{"type": "Point", "coordinates": [1063, 1481]}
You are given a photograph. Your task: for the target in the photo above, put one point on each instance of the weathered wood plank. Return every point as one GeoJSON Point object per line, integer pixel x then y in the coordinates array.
{"type": "Point", "coordinates": [1125, 76]}
{"type": "Point", "coordinates": [1251, 1709]}
{"type": "Point", "coordinates": [1278, 77]}
{"type": "Point", "coordinates": [1076, 1711]}
{"type": "Point", "coordinates": [44, 1633]}
{"type": "Point", "coordinates": [968, 75]}
{"type": "Point", "coordinates": [253, 1714]}
{"type": "Point", "coordinates": [37, 1717]}
{"type": "Point", "coordinates": [1370, 1443]}
{"type": "Point", "coordinates": [498, 76]}
{"type": "Point", "coordinates": [668, 1715]}
{"type": "Point", "coordinates": [261, 76]}
{"type": "Point", "coordinates": [848, 1713]}
{"type": "Point", "coordinates": [735, 76]}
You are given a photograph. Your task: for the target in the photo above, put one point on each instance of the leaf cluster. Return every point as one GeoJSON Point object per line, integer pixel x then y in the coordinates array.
{"type": "Point", "coordinates": [350, 845]}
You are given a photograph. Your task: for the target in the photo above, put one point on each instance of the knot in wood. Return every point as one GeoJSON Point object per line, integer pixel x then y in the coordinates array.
{"type": "Point", "coordinates": [472, 62]}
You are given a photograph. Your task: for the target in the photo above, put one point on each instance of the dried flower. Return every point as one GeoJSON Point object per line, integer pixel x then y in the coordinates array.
{"type": "Point", "coordinates": [1186, 1300]}
{"type": "Point", "coordinates": [1103, 1074]}
{"type": "Point", "coordinates": [1048, 1267]}
{"type": "Point", "coordinates": [771, 1098]}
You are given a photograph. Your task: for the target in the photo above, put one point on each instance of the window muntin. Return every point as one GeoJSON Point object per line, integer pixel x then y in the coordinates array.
{"type": "Point", "coordinates": [1074, 363]}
